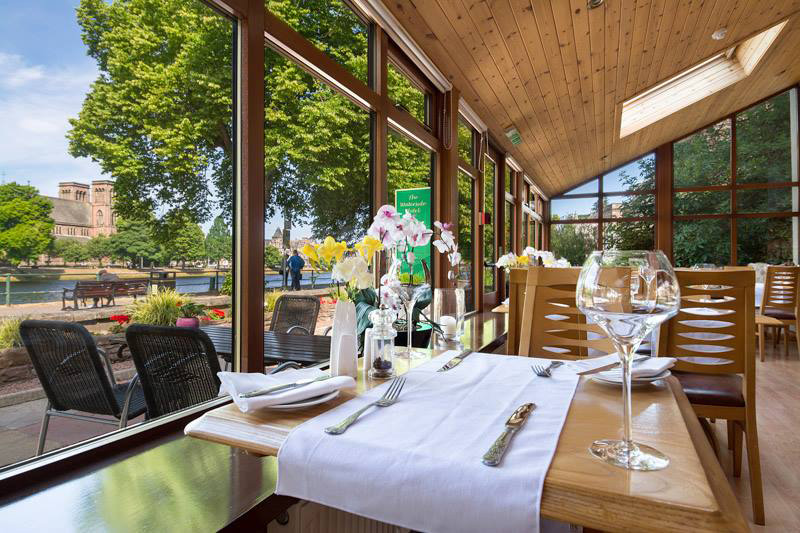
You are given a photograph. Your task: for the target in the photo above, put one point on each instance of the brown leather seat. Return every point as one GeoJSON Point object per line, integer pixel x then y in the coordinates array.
{"type": "Point", "coordinates": [780, 314]}
{"type": "Point", "coordinates": [724, 390]}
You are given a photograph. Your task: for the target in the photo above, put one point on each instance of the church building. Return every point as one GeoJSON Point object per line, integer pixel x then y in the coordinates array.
{"type": "Point", "coordinates": [83, 211]}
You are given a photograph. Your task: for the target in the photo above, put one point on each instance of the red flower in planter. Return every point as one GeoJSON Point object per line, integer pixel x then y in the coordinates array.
{"type": "Point", "coordinates": [120, 319]}
{"type": "Point", "coordinates": [218, 312]}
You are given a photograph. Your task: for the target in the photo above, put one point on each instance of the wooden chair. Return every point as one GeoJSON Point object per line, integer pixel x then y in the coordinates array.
{"type": "Point", "coordinates": [780, 306]}
{"type": "Point", "coordinates": [713, 338]}
{"type": "Point", "coordinates": [516, 298]}
{"type": "Point", "coordinates": [551, 324]}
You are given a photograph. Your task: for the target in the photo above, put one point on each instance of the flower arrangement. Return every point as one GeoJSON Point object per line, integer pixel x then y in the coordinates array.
{"type": "Point", "coordinates": [191, 309]}
{"type": "Point", "coordinates": [401, 233]}
{"type": "Point", "coordinates": [215, 314]}
{"type": "Point", "coordinates": [511, 260]}
{"type": "Point", "coordinates": [446, 244]}
{"type": "Point", "coordinates": [121, 322]}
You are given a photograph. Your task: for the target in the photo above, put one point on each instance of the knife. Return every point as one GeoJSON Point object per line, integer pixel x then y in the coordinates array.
{"type": "Point", "coordinates": [495, 453]}
{"type": "Point", "coordinates": [283, 387]}
{"type": "Point", "coordinates": [455, 361]}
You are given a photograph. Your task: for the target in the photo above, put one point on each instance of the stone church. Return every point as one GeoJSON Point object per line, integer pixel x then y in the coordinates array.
{"type": "Point", "coordinates": [83, 211]}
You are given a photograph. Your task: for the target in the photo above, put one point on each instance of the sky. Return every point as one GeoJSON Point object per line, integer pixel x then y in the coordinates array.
{"type": "Point", "coordinates": [44, 75]}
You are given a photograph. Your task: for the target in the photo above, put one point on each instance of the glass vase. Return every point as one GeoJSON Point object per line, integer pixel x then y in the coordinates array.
{"type": "Point", "coordinates": [449, 308]}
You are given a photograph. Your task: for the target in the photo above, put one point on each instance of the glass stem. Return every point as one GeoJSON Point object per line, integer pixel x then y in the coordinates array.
{"type": "Point", "coordinates": [627, 352]}
{"type": "Point", "coordinates": [409, 323]}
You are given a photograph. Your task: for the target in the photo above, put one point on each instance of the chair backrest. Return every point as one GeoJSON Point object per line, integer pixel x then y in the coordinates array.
{"type": "Point", "coordinates": [516, 299]}
{"type": "Point", "coordinates": [781, 288]}
{"type": "Point", "coordinates": [295, 310]}
{"type": "Point", "coordinates": [714, 331]}
{"type": "Point", "coordinates": [69, 366]}
{"type": "Point", "coordinates": [177, 366]}
{"type": "Point", "coordinates": [551, 323]}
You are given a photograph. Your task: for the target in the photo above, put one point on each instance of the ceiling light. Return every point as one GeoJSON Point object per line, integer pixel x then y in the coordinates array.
{"type": "Point", "coordinates": [719, 34]}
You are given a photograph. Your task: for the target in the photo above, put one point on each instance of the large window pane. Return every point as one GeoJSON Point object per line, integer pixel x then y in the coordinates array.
{"type": "Point", "coordinates": [764, 200]}
{"type": "Point", "coordinates": [574, 242]}
{"type": "Point", "coordinates": [317, 155]}
{"type": "Point", "coordinates": [704, 158]}
{"type": "Point", "coordinates": [765, 240]}
{"type": "Point", "coordinates": [489, 178]}
{"type": "Point", "coordinates": [639, 205]}
{"type": "Point", "coordinates": [117, 144]}
{"type": "Point", "coordinates": [629, 235]}
{"type": "Point", "coordinates": [590, 187]}
{"type": "Point", "coordinates": [763, 142]}
{"type": "Point", "coordinates": [509, 228]}
{"type": "Point", "coordinates": [701, 241]}
{"type": "Point", "coordinates": [466, 217]}
{"type": "Point", "coordinates": [331, 26]}
{"type": "Point", "coordinates": [509, 181]}
{"type": "Point", "coordinates": [407, 95]}
{"type": "Point", "coordinates": [466, 145]}
{"type": "Point", "coordinates": [702, 203]}
{"type": "Point", "coordinates": [573, 208]}
{"type": "Point", "coordinates": [639, 175]}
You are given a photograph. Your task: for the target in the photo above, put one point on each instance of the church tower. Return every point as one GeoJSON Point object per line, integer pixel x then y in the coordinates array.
{"type": "Point", "coordinates": [103, 219]}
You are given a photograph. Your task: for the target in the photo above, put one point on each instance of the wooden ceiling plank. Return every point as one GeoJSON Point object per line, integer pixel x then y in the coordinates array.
{"type": "Point", "coordinates": [696, 32]}
{"type": "Point", "coordinates": [684, 21]}
{"type": "Point", "coordinates": [627, 16]}
{"type": "Point", "coordinates": [507, 22]}
{"type": "Point", "coordinates": [597, 46]}
{"type": "Point", "coordinates": [612, 24]}
{"type": "Point", "coordinates": [637, 50]}
{"type": "Point", "coordinates": [657, 19]}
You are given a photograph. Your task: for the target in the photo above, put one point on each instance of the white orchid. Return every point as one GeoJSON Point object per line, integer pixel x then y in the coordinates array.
{"type": "Point", "coordinates": [507, 261]}
{"type": "Point", "coordinates": [350, 269]}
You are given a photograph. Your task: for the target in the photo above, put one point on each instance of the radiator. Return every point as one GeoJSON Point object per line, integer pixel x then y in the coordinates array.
{"type": "Point", "coordinates": [309, 517]}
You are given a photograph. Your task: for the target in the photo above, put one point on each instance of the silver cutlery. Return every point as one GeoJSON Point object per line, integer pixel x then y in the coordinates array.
{"type": "Point", "coordinates": [495, 453]}
{"type": "Point", "coordinates": [546, 372]}
{"type": "Point", "coordinates": [455, 361]}
{"type": "Point", "coordinates": [285, 386]}
{"type": "Point", "coordinates": [388, 398]}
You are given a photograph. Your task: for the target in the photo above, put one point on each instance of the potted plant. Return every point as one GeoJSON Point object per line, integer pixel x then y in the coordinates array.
{"type": "Point", "coordinates": [190, 312]}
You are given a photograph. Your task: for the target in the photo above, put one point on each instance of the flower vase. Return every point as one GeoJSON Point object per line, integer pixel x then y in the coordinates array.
{"type": "Point", "coordinates": [188, 322]}
{"type": "Point", "coordinates": [344, 343]}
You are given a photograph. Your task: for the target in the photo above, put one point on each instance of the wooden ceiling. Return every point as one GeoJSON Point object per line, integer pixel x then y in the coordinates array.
{"type": "Point", "coordinates": [559, 72]}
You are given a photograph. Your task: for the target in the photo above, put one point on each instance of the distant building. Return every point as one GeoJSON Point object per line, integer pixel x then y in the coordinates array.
{"type": "Point", "coordinates": [83, 211]}
{"type": "Point", "coordinates": [294, 244]}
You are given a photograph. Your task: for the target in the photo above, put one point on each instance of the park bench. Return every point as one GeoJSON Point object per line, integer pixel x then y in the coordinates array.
{"type": "Point", "coordinates": [130, 287]}
{"type": "Point", "coordinates": [96, 290]}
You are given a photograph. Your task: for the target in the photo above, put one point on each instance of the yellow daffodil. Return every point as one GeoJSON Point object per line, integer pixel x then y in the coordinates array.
{"type": "Point", "coordinates": [330, 249]}
{"type": "Point", "coordinates": [368, 246]}
{"type": "Point", "coordinates": [523, 260]}
{"type": "Point", "coordinates": [309, 251]}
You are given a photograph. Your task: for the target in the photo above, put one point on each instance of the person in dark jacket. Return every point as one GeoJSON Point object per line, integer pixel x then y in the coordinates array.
{"type": "Point", "coordinates": [296, 264]}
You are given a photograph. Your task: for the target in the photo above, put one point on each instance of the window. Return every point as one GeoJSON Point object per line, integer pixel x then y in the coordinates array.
{"type": "Point", "coordinates": [331, 26]}
{"type": "Point", "coordinates": [508, 226]}
{"type": "Point", "coordinates": [466, 142]}
{"type": "Point", "coordinates": [489, 258]}
{"type": "Point", "coordinates": [573, 242]}
{"type": "Point", "coordinates": [749, 198]}
{"type": "Point", "coordinates": [98, 99]}
{"type": "Point", "coordinates": [466, 238]}
{"type": "Point", "coordinates": [407, 96]}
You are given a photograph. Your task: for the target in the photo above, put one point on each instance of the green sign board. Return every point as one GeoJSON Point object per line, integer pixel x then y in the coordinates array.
{"type": "Point", "coordinates": [418, 203]}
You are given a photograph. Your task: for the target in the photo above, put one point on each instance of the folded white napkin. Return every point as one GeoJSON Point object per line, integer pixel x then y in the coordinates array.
{"type": "Point", "coordinates": [235, 383]}
{"type": "Point", "coordinates": [647, 368]}
{"type": "Point", "coordinates": [592, 363]}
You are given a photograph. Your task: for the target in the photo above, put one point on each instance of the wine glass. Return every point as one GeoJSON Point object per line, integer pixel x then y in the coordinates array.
{"type": "Point", "coordinates": [409, 295]}
{"type": "Point", "coordinates": [628, 294]}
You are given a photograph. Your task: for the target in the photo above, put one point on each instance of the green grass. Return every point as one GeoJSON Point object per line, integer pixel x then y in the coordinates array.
{"type": "Point", "coordinates": [159, 308]}
{"type": "Point", "coordinates": [9, 333]}
{"type": "Point", "coordinates": [270, 299]}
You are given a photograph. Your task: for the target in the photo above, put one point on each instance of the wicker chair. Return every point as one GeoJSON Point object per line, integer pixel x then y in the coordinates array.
{"type": "Point", "coordinates": [176, 366]}
{"type": "Point", "coordinates": [77, 376]}
{"type": "Point", "coordinates": [295, 314]}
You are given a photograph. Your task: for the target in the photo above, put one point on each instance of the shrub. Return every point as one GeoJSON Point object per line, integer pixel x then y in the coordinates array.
{"type": "Point", "coordinates": [9, 333]}
{"type": "Point", "coordinates": [159, 308]}
{"type": "Point", "coordinates": [227, 285]}
{"type": "Point", "coordinates": [270, 299]}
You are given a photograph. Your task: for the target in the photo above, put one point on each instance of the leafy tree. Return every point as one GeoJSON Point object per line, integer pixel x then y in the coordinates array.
{"type": "Point", "coordinates": [573, 242]}
{"type": "Point", "coordinates": [273, 258]}
{"type": "Point", "coordinates": [98, 248]}
{"type": "Point", "coordinates": [70, 250]}
{"type": "Point", "coordinates": [25, 223]}
{"type": "Point", "coordinates": [187, 242]}
{"type": "Point", "coordinates": [134, 242]}
{"type": "Point", "coordinates": [219, 242]}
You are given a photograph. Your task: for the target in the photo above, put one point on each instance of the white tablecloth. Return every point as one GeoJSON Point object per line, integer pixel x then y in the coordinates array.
{"type": "Point", "coordinates": [417, 464]}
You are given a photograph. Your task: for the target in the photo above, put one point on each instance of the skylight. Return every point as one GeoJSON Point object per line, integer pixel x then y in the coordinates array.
{"type": "Point", "coordinates": [696, 83]}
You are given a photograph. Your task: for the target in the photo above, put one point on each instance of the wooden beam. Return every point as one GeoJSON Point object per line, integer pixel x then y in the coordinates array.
{"type": "Point", "coordinates": [664, 199]}
{"type": "Point", "coordinates": [249, 266]}
{"type": "Point", "coordinates": [445, 189]}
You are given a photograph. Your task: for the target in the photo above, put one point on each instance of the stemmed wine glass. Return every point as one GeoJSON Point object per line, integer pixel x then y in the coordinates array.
{"type": "Point", "coordinates": [628, 294]}
{"type": "Point", "coordinates": [409, 295]}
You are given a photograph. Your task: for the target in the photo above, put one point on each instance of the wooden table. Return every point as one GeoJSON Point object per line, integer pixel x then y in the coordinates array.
{"type": "Point", "coordinates": [692, 494]}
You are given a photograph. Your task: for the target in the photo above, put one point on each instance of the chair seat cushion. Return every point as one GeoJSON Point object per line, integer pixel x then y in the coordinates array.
{"type": "Point", "coordinates": [780, 314]}
{"type": "Point", "coordinates": [723, 390]}
{"type": "Point", "coordinates": [137, 405]}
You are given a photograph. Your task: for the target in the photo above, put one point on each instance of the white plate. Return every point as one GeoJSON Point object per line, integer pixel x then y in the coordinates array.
{"type": "Point", "coordinates": [308, 402]}
{"type": "Point", "coordinates": [608, 380]}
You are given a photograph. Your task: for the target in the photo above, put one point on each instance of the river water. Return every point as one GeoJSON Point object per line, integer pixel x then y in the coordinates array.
{"type": "Point", "coordinates": [50, 290]}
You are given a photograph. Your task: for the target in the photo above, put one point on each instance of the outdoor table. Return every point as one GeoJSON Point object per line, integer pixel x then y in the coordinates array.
{"type": "Point", "coordinates": [691, 494]}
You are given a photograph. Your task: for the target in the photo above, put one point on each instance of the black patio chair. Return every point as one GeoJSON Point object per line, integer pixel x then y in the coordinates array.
{"type": "Point", "coordinates": [77, 376]}
{"type": "Point", "coordinates": [177, 367]}
{"type": "Point", "coordinates": [295, 314]}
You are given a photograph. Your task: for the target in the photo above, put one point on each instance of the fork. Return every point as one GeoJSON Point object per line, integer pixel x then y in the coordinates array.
{"type": "Point", "coordinates": [546, 372]}
{"type": "Point", "coordinates": [388, 398]}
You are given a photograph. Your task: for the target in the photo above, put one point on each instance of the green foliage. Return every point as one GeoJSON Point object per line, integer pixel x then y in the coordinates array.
{"type": "Point", "coordinates": [191, 310]}
{"type": "Point", "coordinates": [573, 242]}
{"type": "Point", "coordinates": [134, 241]}
{"type": "Point", "coordinates": [159, 308]}
{"type": "Point", "coordinates": [219, 242]}
{"type": "Point", "coordinates": [9, 332]}
{"type": "Point", "coordinates": [25, 223]}
{"type": "Point", "coordinates": [270, 299]}
{"type": "Point", "coordinates": [273, 258]}
{"type": "Point", "coordinates": [70, 250]}
{"type": "Point", "coordinates": [227, 286]}
{"type": "Point", "coordinates": [99, 248]}
{"type": "Point", "coordinates": [186, 241]}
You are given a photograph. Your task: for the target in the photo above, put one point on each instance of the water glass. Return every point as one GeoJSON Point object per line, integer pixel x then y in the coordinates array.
{"type": "Point", "coordinates": [449, 308]}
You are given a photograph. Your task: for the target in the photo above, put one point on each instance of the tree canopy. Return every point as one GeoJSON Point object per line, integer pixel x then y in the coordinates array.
{"type": "Point", "coordinates": [25, 223]}
{"type": "Point", "coordinates": [219, 241]}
